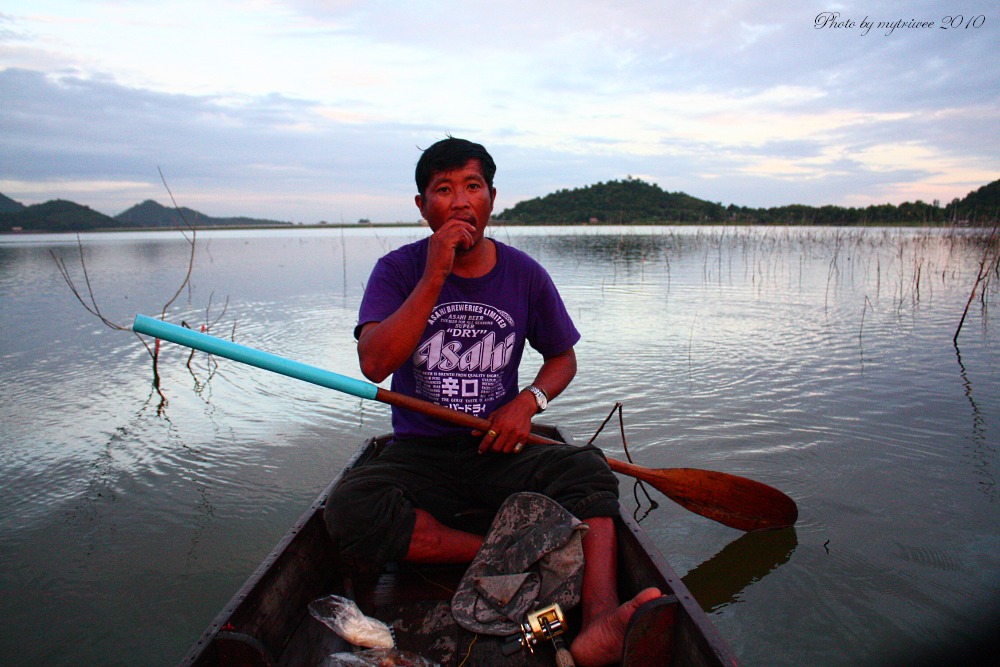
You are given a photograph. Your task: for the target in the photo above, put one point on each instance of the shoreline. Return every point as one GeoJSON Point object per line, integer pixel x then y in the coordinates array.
{"type": "Point", "coordinates": [493, 223]}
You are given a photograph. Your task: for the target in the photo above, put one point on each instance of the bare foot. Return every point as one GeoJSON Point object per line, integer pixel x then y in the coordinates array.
{"type": "Point", "coordinates": [600, 641]}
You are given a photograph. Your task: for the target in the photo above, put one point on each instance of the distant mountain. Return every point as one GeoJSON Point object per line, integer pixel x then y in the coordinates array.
{"type": "Point", "coordinates": [634, 201]}
{"type": "Point", "coordinates": [628, 201]}
{"type": "Point", "coordinates": [57, 215]}
{"type": "Point", "coordinates": [152, 214]}
{"type": "Point", "coordinates": [8, 205]}
{"type": "Point", "coordinates": [65, 216]}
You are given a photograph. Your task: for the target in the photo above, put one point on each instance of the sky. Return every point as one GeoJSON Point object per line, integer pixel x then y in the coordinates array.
{"type": "Point", "coordinates": [316, 110]}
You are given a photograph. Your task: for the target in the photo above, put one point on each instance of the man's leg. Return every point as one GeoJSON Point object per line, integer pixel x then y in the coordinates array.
{"type": "Point", "coordinates": [434, 542]}
{"type": "Point", "coordinates": [602, 636]}
{"type": "Point", "coordinates": [370, 513]}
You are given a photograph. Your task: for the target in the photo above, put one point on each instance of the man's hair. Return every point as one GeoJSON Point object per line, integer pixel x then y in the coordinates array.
{"type": "Point", "coordinates": [452, 153]}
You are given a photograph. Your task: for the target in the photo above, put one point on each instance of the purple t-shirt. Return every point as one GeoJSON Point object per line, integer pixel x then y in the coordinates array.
{"type": "Point", "coordinates": [469, 353]}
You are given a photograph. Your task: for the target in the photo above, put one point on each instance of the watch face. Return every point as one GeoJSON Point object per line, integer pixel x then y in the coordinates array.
{"type": "Point", "coordinates": [540, 399]}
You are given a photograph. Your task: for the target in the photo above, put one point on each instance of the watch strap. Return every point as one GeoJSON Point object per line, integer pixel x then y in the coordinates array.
{"type": "Point", "coordinates": [541, 399]}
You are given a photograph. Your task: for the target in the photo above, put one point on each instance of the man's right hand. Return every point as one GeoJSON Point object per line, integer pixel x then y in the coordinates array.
{"type": "Point", "coordinates": [454, 236]}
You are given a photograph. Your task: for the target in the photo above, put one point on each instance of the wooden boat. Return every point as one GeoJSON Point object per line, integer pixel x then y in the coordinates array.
{"type": "Point", "coordinates": [267, 623]}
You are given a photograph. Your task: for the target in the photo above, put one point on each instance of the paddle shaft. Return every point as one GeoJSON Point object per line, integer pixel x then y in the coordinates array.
{"type": "Point", "coordinates": [731, 500]}
{"type": "Point", "coordinates": [253, 357]}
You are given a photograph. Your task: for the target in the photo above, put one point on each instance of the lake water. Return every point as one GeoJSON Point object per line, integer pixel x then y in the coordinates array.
{"type": "Point", "coordinates": [819, 361]}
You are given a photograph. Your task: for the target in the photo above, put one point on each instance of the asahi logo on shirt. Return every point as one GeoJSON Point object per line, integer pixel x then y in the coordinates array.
{"type": "Point", "coordinates": [466, 338]}
{"type": "Point", "coordinates": [485, 355]}
{"type": "Point", "coordinates": [459, 364]}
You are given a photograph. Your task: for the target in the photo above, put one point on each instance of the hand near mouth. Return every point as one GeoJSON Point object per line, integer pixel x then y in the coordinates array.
{"type": "Point", "coordinates": [453, 237]}
{"type": "Point", "coordinates": [467, 241]}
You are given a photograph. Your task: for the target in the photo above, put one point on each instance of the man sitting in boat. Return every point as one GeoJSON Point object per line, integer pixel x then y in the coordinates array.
{"type": "Point", "coordinates": [448, 317]}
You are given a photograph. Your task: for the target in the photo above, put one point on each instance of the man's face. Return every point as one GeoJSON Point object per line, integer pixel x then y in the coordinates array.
{"type": "Point", "coordinates": [461, 194]}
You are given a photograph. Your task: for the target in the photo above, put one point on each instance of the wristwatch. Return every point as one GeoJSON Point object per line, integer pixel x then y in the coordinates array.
{"type": "Point", "coordinates": [541, 400]}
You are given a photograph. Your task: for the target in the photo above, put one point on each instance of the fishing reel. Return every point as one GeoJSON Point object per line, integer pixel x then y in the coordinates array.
{"type": "Point", "coordinates": [545, 623]}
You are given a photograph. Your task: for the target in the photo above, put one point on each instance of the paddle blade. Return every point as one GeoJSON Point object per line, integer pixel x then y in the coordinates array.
{"type": "Point", "coordinates": [731, 500]}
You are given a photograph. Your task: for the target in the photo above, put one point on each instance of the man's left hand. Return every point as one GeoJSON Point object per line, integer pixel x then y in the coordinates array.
{"type": "Point", "coordinates": [510, 426]}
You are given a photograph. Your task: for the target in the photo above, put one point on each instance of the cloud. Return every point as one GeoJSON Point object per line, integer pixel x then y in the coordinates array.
{"type": "Point", "coordinates": [81, 134]}
{"type": "Point", "coordinates": [311, 110]}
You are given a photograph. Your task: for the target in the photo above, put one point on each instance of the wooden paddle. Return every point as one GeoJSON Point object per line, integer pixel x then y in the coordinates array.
{"type": "Point", "coordinates": [731, 500]}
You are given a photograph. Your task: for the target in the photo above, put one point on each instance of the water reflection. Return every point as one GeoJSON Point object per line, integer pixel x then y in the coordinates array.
{"type": "Point", "coordinates": [718, 581]}
{"type": "Point", "coordinates": [983, 454]}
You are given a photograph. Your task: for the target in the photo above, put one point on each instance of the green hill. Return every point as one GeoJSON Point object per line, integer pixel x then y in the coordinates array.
{"type": "Point", "coordinates": [633, 201]}
{"type": "Point", "coordinates": [152, 214]}
{"type": "Point", "coordinates": [57, 215]}
{"type": "Point", "coordinates": [628, 201]}
{"type": "Point", "coordinates": [65, 216]}
{"type": "Point", "coordinates": [8, 205]}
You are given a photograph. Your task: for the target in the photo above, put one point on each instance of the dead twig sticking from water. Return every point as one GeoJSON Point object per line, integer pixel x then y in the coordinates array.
{"type": "Point", "coordinates": [191, 241]}
{"type": "Point", "coordinates": [861, 331]}
{"type": "Point", "coordinates": [209, 323]}
{"type": "Point", "coordinates": [89, 302]}
{"type": "Point", "coordinates": [985, 267]}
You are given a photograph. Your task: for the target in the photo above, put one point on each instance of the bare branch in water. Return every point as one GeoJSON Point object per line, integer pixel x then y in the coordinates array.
{"type": "Point", "coordinates": [191, 242]}
{"type": "Point", "coordinates": [92, 306]}
{"type": "Point", "coordinates": [89, 302]}
{"type": "Point", "coordinates": [986, 266]}
{"type": "Point", "coordinates": [207, 326]}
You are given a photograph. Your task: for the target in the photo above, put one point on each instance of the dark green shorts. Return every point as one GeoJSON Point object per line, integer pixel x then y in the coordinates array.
{"type": "Point", "coordinates": [370, 512]}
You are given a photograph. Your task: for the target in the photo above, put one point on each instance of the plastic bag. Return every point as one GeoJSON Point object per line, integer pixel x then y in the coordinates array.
{"type": "Point", "coordinates": [345, 618]}
{"type": "Point", "coordinates": [378, 657]}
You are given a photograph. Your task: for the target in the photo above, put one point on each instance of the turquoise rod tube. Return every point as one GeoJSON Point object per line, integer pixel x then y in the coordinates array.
{"type": "Point", "coordinates": [253, 357]}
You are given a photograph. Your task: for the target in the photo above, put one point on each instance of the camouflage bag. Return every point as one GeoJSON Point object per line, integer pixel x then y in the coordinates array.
{"type": "Point", "coordinates": [531, 557]}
